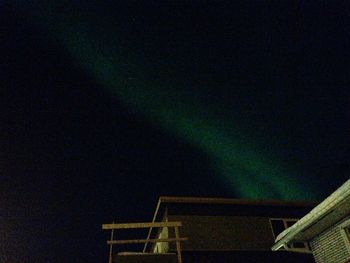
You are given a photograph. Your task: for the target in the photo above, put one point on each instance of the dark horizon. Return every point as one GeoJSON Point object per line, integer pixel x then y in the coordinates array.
{"type": "Point", "coordinates": [107, 106]}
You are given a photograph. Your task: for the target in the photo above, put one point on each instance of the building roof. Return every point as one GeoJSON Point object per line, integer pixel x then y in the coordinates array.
{"type": "Point", "coordinates": [230, 206]}
{"type": "Point", "coordinates": [231, 201]}
{"type": "Point", "coordinates": [328, 213]}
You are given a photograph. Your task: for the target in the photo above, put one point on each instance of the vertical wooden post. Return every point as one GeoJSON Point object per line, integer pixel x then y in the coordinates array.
{"type": "Point", "coordinates": [178, 248]}
{"type": "Point", "coordinates": [110, 259]}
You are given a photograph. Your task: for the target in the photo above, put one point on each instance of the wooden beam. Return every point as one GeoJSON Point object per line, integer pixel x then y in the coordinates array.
{"type": "Point", "coordinates": [140, 225]}
{"type": "Point", "coordinates": [178, 247]}
{"type": "Point", "coordinates": [134, 241]}
{"type": "Point", "coordinates": [110, 259]}
{"type": "Point", "coordinates": [151, 229]}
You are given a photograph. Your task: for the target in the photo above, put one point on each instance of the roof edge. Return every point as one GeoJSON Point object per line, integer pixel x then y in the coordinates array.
{"type": "Point", "coordinates": [318, 212]}
{"type": "Point", "coordinates": [234, 201]}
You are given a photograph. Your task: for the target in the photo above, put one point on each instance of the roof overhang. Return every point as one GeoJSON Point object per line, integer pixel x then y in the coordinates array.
{"type": "Point", "coordinates": [331, 211]}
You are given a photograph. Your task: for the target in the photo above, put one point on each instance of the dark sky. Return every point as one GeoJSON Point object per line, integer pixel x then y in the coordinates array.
{"type": "Point", "coordinates": [106, 106]}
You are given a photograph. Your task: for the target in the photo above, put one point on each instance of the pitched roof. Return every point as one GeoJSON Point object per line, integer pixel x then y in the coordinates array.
{"type": "Point", "coordinates": [332, 210]}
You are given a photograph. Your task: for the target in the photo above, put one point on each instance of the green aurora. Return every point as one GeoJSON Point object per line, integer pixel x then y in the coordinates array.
{"type": "Point", "coordinates": [250, 171]}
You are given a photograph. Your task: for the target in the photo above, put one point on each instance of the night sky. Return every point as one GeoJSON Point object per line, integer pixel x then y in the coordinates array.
{"type": "Point", "coordinates": [106, 105]}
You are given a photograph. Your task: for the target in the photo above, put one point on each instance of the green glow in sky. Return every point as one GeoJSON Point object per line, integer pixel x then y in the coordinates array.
{"type": "Point", "coordinates": [251, 172]}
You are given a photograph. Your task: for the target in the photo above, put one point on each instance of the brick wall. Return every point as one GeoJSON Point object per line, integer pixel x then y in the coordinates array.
{"type": "Point", "coordinates": [330, 247]}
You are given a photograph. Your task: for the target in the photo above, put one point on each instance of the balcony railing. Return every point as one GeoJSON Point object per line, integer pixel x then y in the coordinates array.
{"type": "Point", "coordinates": [114, 227]}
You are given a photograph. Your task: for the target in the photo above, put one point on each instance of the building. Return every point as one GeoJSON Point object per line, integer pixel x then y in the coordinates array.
{"type": "Point", "coordinates": [220, 230]}
{"type": "Point", "coordinates": [326, 228]}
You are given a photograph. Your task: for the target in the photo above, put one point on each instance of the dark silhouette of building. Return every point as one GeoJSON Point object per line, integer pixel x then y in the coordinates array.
{"type": "Point", "coordinates": [221, 230]}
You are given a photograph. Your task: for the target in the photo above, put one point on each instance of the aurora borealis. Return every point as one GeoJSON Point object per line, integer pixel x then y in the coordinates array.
{"type": "Point", "coordinates": [236, 156]}
{"type": "Point", "coordinates": [109, 105]}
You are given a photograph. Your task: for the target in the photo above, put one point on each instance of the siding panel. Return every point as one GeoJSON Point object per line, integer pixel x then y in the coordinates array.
{"type": "Point", "coordinates": [330, 247]}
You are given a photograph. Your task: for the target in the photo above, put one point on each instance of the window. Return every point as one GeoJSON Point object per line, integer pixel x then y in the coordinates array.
{"type": "Point", "coordinates": [278, 225]}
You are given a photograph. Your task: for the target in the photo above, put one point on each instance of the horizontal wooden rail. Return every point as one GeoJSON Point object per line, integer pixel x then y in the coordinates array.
{"type": "Point", "coordinates": [114, 227]}
{"type": "Point", "coordinates": [134, 241]}
{"type": "Point", "coordinates": [140, 225]}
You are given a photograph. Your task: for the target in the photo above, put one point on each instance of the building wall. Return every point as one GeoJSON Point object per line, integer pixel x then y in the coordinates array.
{"type": "Point", "coordinates": [218, 257]}
{"type": "Point", "coordinates": [246, 257]}
{"type": "Point", "coordinates": [224, 232]}
{"type": "Point", "coordinates": [330, 247]}
{"type": "Point", "coordinates": [145, 258]}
